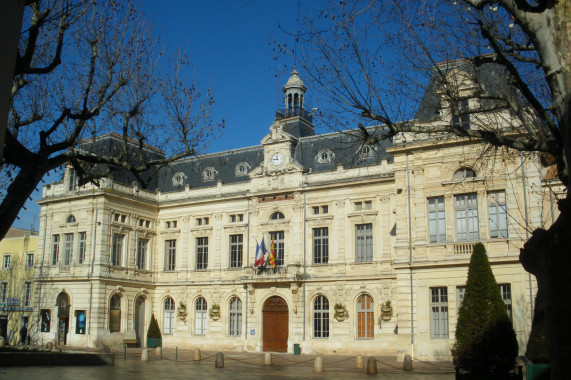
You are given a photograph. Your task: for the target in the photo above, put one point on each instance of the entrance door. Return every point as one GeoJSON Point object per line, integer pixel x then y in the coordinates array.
{"type": "Point", "coordinates": [140, 320]}
{"type": "Point", "coordinates": [63, 318]}
{"type": "Point", "coordinates": [62, 331]}
{"type": "Point", "coordinates": [275, 325]}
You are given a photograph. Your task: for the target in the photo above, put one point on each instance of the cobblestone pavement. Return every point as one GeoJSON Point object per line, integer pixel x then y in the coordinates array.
{"type": "Point", "coordinates": [179, 364]}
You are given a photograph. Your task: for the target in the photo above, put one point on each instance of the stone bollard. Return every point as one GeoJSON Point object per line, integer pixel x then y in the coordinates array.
{"type": "Point", "coordinates": [49, 346]}
{"type": "Point", "coordinates": [371, 366]}
{"type": "Point", "coordinates": [145, 355]}
{"type": "Point", "coordinates": [267, 358]}
{"type": "Point", "coordinates": [522, 366]}
{"type": "Point", "coordinates": [359, 362]}
{"type": "Point", "coordinates": [407, 363]}
{"type": "Point", "coordinates": [318, 364]}
{"type": "Point", "coordinates": [159, 351]}
{"type": "Point", "coordinates": [197, 355]}
{"type": "Point", "coordinates": [219, 363]}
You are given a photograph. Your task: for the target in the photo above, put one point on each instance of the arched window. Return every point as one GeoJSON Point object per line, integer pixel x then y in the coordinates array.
{"type": "Point", "coordinates": [70, 219]}
{"type": "Point", "coordinates": [235, 317]}
{"type": "Point", "coordinates": [463, 173]}
{"type": "Point", "coordinates": [115, 313]}
{"type": "Point", "coordinates": [277, 216]}
{"type": "Point", "coordinates": [200, 316]}
{"type": "Point", "coordinates": [168, 316]}
{"type": "Point", "coordinates": [365, 317]}
{"type": "Point", "coordinates": [321, 317]}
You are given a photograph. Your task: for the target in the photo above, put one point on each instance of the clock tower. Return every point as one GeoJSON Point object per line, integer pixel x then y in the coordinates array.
{"type": "Point", "coordinates": [292, 122]}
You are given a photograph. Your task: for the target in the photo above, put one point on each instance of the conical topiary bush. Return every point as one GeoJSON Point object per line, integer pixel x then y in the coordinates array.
{"type": "Point", "coordinates": [153, 334]}
{"type": "Point", "coordinates": [485, 339]}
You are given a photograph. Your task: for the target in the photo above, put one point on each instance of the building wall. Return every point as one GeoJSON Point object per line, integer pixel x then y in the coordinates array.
{"type": "Point", "coordinates": [15, 308]}
{"type": "Point", "coordinates": [404, 267]}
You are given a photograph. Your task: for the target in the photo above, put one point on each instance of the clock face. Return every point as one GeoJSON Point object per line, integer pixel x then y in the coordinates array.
{"type": "Point", "coordinates": [277, 159]}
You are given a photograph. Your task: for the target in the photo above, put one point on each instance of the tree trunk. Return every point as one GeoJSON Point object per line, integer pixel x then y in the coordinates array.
{"type": "Point", "coordinates": [17, 194]}
{"type": "Point", "coordinates": [547, 255]}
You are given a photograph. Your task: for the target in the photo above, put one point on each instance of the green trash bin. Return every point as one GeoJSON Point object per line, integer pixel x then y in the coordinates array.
{"type": "Point", "coordinates": [296, 349]}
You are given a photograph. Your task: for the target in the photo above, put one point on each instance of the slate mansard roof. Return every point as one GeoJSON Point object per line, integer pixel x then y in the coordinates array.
{"type": "Point", "coordinates": [341, 148]}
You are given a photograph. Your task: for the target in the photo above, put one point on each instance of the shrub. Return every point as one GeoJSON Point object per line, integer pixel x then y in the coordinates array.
{"type": "Point", "coordinates": [485, 339]}
{"type": "Point", "coordinates": [153, 331]}
{"type": "Point", "coordinates": [537, 349]}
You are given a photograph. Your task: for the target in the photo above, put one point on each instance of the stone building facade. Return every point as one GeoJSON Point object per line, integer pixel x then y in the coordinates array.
{"type": "Point", "coordinates": [371, 242]}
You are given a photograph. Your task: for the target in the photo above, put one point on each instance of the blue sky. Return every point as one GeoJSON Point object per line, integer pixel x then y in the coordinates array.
{"type": "Point", "coordinates": [230, 47]}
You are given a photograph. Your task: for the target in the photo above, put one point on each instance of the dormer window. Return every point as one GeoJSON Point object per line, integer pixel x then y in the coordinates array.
{"type": "Point", "coordinates": [70, 219]}
{"type": "Point", "coordinates": [462, 119]}
{"type": "Point", "coordinates": [366, 151]}
{"type": "Point", "coordinates": [72, 180]}
{"type": "Point", "coordinates": [325, 156]}
{"type": "Point", "coordinates": [464, 173]}
{"type": "Point", "coordinates": [209, 174]}
{"type": "Point", "coordinates": [241, 169]}
{"type": "Point", "coordinates": [178, 179]}
{"type": "Point", "coordinates": [277, 216]}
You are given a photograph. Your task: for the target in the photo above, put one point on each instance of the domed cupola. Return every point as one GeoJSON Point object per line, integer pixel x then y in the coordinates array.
{"type": "Point", "coordinates": [294, 91]}
{"type": "Point", "coordinates": [296, 120]}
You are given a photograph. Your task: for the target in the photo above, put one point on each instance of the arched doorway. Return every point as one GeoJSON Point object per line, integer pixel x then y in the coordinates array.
{"type": "Point", "coordinates": [140, 320]}
{"type": "Point", "coordinates": [63, 318]}
{"type": "Point", "coordinates": [275, 324]}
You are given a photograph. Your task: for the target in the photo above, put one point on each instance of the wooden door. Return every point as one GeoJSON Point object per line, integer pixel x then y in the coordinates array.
{"type": "Point", "coordinates": [140, 321]}
{"type": "Point", "coordinates": [275, 325]}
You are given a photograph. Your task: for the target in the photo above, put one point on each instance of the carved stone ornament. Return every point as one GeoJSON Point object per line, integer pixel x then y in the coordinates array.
{"type": "Point", "coordinates": [215, 312]}
{"type": "Point", "coordinates": [341, 312]}
{"type": "Point", "coordinates": [182, 311]}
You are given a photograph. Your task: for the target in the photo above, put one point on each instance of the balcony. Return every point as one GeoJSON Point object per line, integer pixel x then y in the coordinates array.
{"type": "Point", "coordinates": [461, 249]}
{"type": "Point", "coordinates": [283, 273]}
{"type": "Point", "coordinates": [293, 112]}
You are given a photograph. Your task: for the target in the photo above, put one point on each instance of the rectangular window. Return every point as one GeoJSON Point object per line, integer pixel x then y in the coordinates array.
{"type": "Point", "coordinates": [463, 119]}
{"type": "Point", "coordinates": [46, 320]}
{"type": "Point", "coordinates": [117, 249]}
{"type": "Point", "coordinates": [358, 206]}
{"type": "Point", "coordinates": [27, 293]}
{"type": "Point", "coordinates": [3, 293]}
{"type": "Point", "coordinates": [436, 220]}
{"type": "Point", "coordinates": [466, 217]}
{"type": "Point", "coordinates": [72, 184]}
{"type": "Point", "coordinates": [80, 322]}
{"type": "Point", "coordinates": [142, 246]}
{"type": "Point", "coordinates": [364, 242]}
{"type": "Point", "coordinates": [55, 249]}
{"type": "Point", "coordinates": [498, 218]}
{"type": "Point", "coordinates": [277, 237]}
{"type": "Point", "coordinates": [68, 249]}
{"type": "Point", "coordinates": [6, 262]}
{"type": "Point", "coordinates": [321, 245]}
{"type": "Point", "coordinates": [368, 205]}
{"type": "Point", "coordinates": [506, 291]}
{"type": "Point", "coordinates": [236, 249]}
{"type": "Point", "coordinates": [439, 313]}
{"type": "Point", "coordinates": [460, 291]}
{"type": "Point", "coordinates": [170, 255]}
{"type": "Point", "coordinates": [202, 253]}
{"type": "Point", "coordinates": [82, 247]}
{"type": "Point", "coordinates": [29, 260]}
